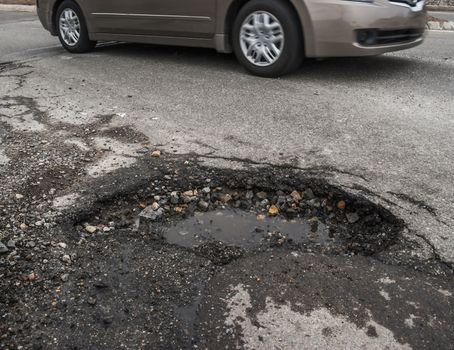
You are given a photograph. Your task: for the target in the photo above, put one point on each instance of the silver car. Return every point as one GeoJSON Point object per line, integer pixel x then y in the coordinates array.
{"type": "Point", "coordinates": [269, 37]}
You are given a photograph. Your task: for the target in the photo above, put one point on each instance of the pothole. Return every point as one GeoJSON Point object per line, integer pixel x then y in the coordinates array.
{"type": "Point", "coordinates": [223, 223]}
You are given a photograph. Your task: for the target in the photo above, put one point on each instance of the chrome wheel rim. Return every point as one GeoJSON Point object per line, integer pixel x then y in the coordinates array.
{"type": "Point", "coordinates": [262, 38]}
{"type": "Point", "coordinates": [69, 25]}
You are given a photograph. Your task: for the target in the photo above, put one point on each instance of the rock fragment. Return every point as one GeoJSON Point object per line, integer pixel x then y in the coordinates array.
{"type": "Point", "coordinates": [149, 213]}
{"type": "Point", "coordinates": [261, 195]}
{"type": "Point", "coordinates": [352, 217]}
{"type": "Point", "coordinates": [341, 205]}
{"type": "Point", "coordinates": [203, 205]}
{"type": "Point", "coordinates": [273, 211]}
{"type": "Point", "coordinates": [91, 229]}
{"type": "Point", "coordinates": [3, 248]}
{"type": "Point", "coordinates": [296, 196]}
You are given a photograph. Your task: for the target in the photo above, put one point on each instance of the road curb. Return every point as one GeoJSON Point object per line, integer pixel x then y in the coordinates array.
{"type": "Point", "coordinates": [436, 25]}
{"type": "Point", "coordinates": [440, 8]}
{"type": "Point", "coordinates": [18, 8]}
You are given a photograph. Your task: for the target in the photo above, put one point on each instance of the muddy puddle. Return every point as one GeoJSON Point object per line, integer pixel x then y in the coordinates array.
{"type": "Point", "coordinates": [244, 229]}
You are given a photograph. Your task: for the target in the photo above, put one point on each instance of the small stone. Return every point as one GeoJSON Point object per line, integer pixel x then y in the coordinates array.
{"type": "Point", "coordinates": [23, 227]}
{"type": "Point", "coordinates": [156, 153]}
{"type": "Point", "coordinates": [341, 205]}
{"type": "Point", "coordinates": [62, 245]}
{"type": "Point", "coordinates": [178, 210]}
{"type": "Point", "coordinates": [150, 214]}
{"type": "Point", "coordinates": [296, 196]}
{"type": "Point", "coordinates": [174, 198]}
{"type": "Point", "coordinates": [265, 202]}
{"type": "Point", "coordinates": [91, 301]}
{"type": "Point", "coordinates": [273, 211]}
{"type": "Point", "coordinates": [64, 277]}
{"type": "Point", "coordinates": [11, 244]}
{"type": "Point", "coordinates": [226, 198]}
{"type": "Point", "coordinates": [203, 205]}
{"type": "Point", "coordinates": [31, 277]}
{"type": "Point", "coordinates": [206, 190]}
{"type": "Point", "coordinates": [3, 248]}
{"type": "Point", "coordinates": [19, 196]}
{"type": "Point", "coordinates": [260, 217]}
{"type": "Point", "coordinates": [352, 217]}
{"type": "Point", "coordinates": [143, 150]}
{"type": "Point", "coordinates": [309, 194]}
{"type": "Point", "coordinates": [66, 258]}
{"type": "Point", "coordinates": [91, 229]}
{"type": "Point", "coordinates": [315, 203]}
{"type": "Point", "coordinates": [249, 195]}
{"type": "Point", "coordinates": [155, 206]}
{"type": "Point", "coordinates": [261, 195]}
{"type": "Point", "coordinates": [188, 193]}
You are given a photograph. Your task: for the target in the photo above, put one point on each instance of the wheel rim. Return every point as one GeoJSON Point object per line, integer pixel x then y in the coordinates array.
{"type": "Point", "coordinates": [69, 25]}
{"type": "Point", "coordinates": [262, 38]}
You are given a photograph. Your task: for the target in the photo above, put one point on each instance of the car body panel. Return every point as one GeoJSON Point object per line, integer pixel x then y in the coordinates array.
{"type": "Point", "coordinates": [328, 26]}
{"type": "Point", "coordinates": [189, 18]}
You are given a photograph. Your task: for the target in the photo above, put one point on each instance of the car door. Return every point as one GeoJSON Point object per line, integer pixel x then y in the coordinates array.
{"type": "Point", "coordinates": [175, 18]}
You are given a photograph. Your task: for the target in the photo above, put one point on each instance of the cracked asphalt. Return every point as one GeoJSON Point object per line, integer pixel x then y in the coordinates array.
{"type": "Point", "coordinates": [76, 130]}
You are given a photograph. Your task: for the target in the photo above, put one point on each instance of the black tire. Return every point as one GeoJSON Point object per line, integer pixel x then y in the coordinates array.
{"type": "Point", "coordinates": [293, 52]}
{"type": "Point", "coordinates": [83, 44]}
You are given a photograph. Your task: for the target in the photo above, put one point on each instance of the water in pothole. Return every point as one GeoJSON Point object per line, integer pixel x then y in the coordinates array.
{"type": "Point", "coordinates": [244, 229]}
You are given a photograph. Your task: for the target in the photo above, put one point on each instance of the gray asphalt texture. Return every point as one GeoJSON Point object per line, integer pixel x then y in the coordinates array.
{"type": "Point", "coordinates": [379, 127]}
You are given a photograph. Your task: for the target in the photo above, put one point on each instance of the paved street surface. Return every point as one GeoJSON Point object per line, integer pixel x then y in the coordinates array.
{"type": "Point", "coordinates": [361, 150]}
{"type": "Point", "coordinates": [447, 16]}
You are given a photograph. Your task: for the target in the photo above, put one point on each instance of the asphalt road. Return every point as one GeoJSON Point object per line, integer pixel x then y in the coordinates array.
{"type": "Point", "coordinates": [447, 16]}
{"type": "Point", "coordinates": [380, 127]}
{"type": "Point", "coordinates": [388, 120]}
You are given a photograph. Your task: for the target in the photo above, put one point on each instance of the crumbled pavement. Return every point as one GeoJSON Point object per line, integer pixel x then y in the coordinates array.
{"type": "Point", "coordinates": [92, 274]}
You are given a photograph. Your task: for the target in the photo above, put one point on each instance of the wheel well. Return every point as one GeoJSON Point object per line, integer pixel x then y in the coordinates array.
{"type": "Point", "coordinates": [54, 14]}
{"type": "Point", "coordinates": [235, 8]}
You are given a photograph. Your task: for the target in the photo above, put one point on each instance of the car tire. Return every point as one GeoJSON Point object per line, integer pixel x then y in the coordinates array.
{"type": "Point", "coordinates": [72, 28]}
{"type": "Point", "coordinates": [256, 33]}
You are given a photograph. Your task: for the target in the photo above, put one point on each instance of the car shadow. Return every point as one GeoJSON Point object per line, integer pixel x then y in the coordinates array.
{"type": "Point", "coordinates": [346, 69]}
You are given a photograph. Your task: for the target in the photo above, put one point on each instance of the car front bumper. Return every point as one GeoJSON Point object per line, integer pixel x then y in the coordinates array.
{"type": "Point", "coordinates": [338, 27]}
